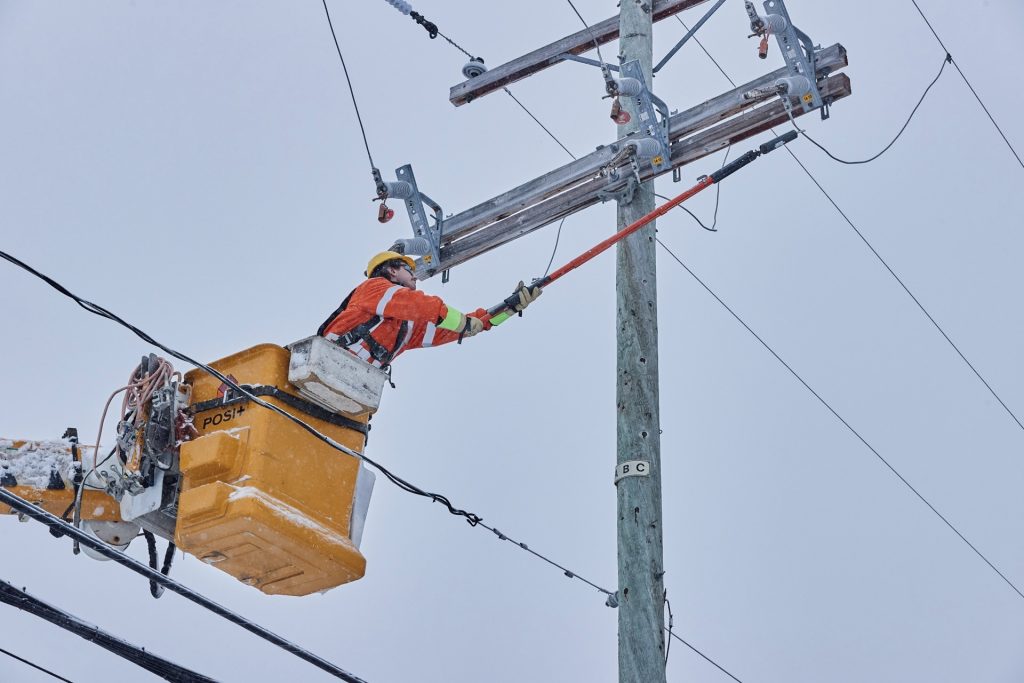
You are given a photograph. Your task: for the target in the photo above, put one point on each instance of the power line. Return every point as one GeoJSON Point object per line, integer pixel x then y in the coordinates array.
{"type": "Point", "coordinates": [34, 666]}
{"type": "Point", "coordinates": [351, 90]}
{"type": "Point", "coordinates": [52, 521]}
{"type": "Point", "coordinates": [718, 195]}
{"type": "Point", "coordinates": [713, 60]}
{"type": "Point", "coordinates": [139, 656]}
{"type": "Point", "coordinates": [554, 250]}
{"type": "Point", "coordinates": [694, 216]}
{"type": "Point", "coordinates": [839, 417]}
{"type": "Point", "coordinates": [713, 662]}
{"type": "Point", "coordinates": [432, 29]}
{"type": "Point", "coordinates": [882, 261]}
{"type": "Point", "coordinates": [597, 46]}
{"type": "Point", "coordinates": [472, 518]}
{"type": "Point", "coordinates": [530, 113]}
{"type": "Point", "coordinates": [946, 60]}
{"type": "Point", "coordinates": [612, 600]}
{"type": "Point", "coordinates": [973, 91]}
{"type": "Point", "coordinates": [909, 293]}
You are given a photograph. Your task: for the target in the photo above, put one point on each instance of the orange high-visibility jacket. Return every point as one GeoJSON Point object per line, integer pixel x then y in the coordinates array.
{"type": "Point", "coordinates": [400, 310]}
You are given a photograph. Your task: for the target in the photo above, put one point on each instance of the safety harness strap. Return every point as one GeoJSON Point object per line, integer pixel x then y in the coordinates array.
{"type": "Point", "coordinates": [344, 304]}
{"type": "Point", "coordinates": [361, 333]}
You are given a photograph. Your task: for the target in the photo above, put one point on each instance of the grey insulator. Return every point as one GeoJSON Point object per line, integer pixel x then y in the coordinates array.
{"type": "Point", "coordinates": [794, 86]}
{"type": "Point", "coordinates": [474, 67]}
{"type": "Point", "coordinates": [630, 87]}
{"type": "Point", "coordinates": [415, 246]}
{"type": "Point", "coordinates": [646, 148]}
{"type": "Point", "coordinates": [399, 189]}
{"type": "Point", "coordinates": [400, 5]}
{"type": "Point", "coordinates": [775, 23]}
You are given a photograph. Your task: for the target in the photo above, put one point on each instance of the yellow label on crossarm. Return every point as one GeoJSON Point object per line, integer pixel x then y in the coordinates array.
{"type": "Point", "coordinates": [808, 97]}
{"type": "Point", "coordinates": [658, 160]}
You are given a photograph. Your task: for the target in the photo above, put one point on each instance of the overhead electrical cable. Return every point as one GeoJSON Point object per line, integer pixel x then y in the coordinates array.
{"type": "Point", "coordinates": [597, 45]}
{"type": "Point", "coordinates": [432, 30]}
{"type": "Point", "coordinates": [946, 60]}
{"type": "Point", "coordinates": [694, 216]}
{"type": "Point", "coordinates": [139, 656]}
{"type": "Point", "coordinates": [713, 60]}
{"type": "Point", "coordinates": [27, 509]}
{"type": "Point", "coordinates": [910, 293]}
{"type": "Point", "coordinates": [881, 260]}
{"type": "Point", "coordinates": [718, 196]}
{"type": "Point", "coordinates": [841, 418]}
{"type": "Point", "coordinates": [546, 130]}
{"type": "Point", "coordinates": [34, 666]}
{"type": "Point", "coordinates": [609, 83]}
{"type": "Point", "coordinates": [378, 181]}
{"type": "Point", "coordinates": [472, 518]}
{"type": "Point", "coordinates": [554, 250]}
{"type": "Point", "coordinates": [673, 634]}
{"type": "Point", "coordinates": [406, 8]}
{"type": "Point", "coordinates": [973, 91]}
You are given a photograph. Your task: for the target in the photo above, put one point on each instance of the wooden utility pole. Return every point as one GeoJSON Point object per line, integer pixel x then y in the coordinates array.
{"type": "Point", "coordinates": [694, 133]}
{"type": "Point", "coordinates": [638, 458]}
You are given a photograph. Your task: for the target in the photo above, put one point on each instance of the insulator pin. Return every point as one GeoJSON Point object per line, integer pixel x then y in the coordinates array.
{"type": "Point", "coordinates": [629, 87]}
{"type": "Point", "coordinates": [793, 86]}
{"type": "Point", "coordinates": [414, 246]}
{"type": "Point", "coordinates": [775, 23]}
{"type": "Point", "coordinates": [647, 148]}
{"type": "Point", "coordinates": [399, 189]}
{"type": "Point", "coordinates": [474, 67]}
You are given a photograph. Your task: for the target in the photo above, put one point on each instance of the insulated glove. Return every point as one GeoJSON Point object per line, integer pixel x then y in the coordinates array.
{"type": "Point", "coordinates": [526, 296]}
{"type": "Point", "coordinates": [472, 326]}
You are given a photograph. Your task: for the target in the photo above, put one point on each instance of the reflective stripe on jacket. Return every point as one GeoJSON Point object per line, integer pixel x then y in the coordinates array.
{"type": "Point", "coordinates": [394, 305]}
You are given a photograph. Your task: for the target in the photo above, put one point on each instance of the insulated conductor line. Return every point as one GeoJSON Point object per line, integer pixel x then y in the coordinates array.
{"type": "Point", "coordinates": [592, 36]}
{"type": "Point", "coordinates": [840, 417]}
{"type": "Point", "coordinates": [973, 91]}
{"type": "Point", "coordinates": [472, 518]}
{"type": "Point", "coordinates": [8, 592]}
{"type": "Point", "coordinates": [530, 113]}
{"type": "Point", "coordinates": [457, 46]}
{"type": "Point", "coordinates": [713, 662]}
{"type": "Point", "coordinates": [434, 31]}
{"type": "Point", "coordinates": [948, 59]}
{"type": "Point", "coordinates": [554, 250]}
{"type": "Point", "coordinates": [34, 666]}
{"type": "Point", "coordinates": [909, 293]}
{"type": "Point", "coordinates": [879, 256]}
{"type": "Point", "coordinates": [705, 50]}
{"type": "Point", "coordinates": [382, 191]}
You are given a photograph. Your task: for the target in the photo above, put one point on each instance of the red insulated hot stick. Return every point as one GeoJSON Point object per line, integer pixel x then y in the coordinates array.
{"type": "Point", "coordinates": [705, 182]}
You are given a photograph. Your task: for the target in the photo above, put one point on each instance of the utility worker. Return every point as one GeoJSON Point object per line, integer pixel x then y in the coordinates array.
{"type": "Point", "coordinates": [385, 315]}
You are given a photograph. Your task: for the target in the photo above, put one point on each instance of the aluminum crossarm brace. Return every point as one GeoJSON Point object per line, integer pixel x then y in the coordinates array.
{"type": "Point", "coordinates": [559, 193]}
{"type": "Point", "coordinates": [550, 55]}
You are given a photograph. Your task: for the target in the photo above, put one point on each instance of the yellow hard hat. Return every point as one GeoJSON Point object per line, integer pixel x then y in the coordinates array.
{"type": "Point", "coordinates": [384, 257]}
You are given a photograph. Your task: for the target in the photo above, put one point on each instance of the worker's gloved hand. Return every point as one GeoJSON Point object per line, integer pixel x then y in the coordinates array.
{"type": "Point", "coordinates": [523, 296]}
{"type": "Point", "coordinates": [472, 326]}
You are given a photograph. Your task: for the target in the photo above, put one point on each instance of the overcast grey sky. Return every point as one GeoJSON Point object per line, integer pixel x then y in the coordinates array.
{"type": "Point", "coordinates": [196, 167]}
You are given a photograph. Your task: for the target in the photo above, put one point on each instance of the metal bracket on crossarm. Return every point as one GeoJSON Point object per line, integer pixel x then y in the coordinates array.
{"type": "Point", "coordinates": [648, 106]}
{"type": "Point", "coordinates": [798, 51]}
{"type": "Point", "coordinates": [426, 243]}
